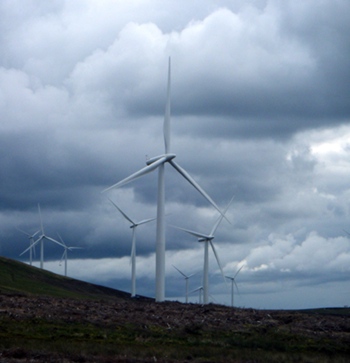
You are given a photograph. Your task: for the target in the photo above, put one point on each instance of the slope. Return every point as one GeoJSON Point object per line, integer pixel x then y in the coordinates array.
{"type": "Point", "coordinates": [19, 278]}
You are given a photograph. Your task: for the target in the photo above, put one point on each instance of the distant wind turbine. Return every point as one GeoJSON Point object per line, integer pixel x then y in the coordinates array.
{"type": "Point", "coordinates": [208, 240]}
{"type": "Point", "coordinates": [65, 254]}
{"type": "Point", "coordinates": [41, 239]}
{"type": "Point", "coordinates": [31, 242]}
{"type": "Point", "coordinates": [200, 289]}
{"type": "Point", "coordinates": [152, 164]}
{"type": "Point", "coordinates": [186, 279]}
{"type": "Point", "coordinates": [133, 246]}
{"type": "Point", "coordinates": [233, 282]}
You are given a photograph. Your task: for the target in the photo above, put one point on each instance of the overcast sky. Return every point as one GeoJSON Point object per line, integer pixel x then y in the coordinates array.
{"type": "Point", "coordinates": [260, 111]}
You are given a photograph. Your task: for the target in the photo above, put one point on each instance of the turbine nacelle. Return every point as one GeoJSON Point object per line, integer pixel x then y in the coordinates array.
{"type": "Point", "coordinates": [206, 239]}
{"type": "Point", "coordinates": [167, 157]}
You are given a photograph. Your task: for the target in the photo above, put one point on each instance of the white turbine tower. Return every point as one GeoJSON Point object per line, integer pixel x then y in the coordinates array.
{"type": "Point", "coordinates": [186, 279]}
{"type": "Point", "coordinates": [41, 239]}
{"type": "Point", "coordinates": [31, 242]}
{"type": "Point", "coordinates": [65, 254]}
{"type": "Point", "coordinates": [208, 240]}
{"type": "Point", "coordinates": [152, 164]}
{"type": "Point", "coordinates": [133, 246]}
{"type": "Point", "coordinates": [233, 282]}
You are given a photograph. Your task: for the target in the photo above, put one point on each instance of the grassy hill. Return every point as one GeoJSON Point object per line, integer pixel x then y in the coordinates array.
{"type": "Point", "coordinates": [45, 317]}
{"type": "Point", "coordinates": [20, 278]}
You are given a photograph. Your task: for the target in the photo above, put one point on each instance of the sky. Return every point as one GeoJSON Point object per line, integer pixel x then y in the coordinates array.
{"type": "Point", "coordinates": [259, 111]}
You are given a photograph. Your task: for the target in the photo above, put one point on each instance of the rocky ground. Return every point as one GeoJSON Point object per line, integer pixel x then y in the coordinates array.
{"type": "Point", "coordinates": [168, 316]}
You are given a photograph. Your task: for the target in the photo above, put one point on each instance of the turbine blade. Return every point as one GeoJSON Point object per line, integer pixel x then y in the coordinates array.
{"type": "Point", "coordinates": [146, 221]}
{"type": "Point", "coordinates": [36, 233]}
{"type": "Point", "coordinates": [27, 234]}
{"type": "Point", "coordinates": [31, 246]}
{"type": "Point", "coordinates": [53, 240]}
{"type": "Point", "coordinates": [147, 169]}
{"type": "Point", "coordinates": [238, 271]}
{"type": "Point", "coordinates": [216, 225]}
{"type": "Point", "coordinates": [61, 240]}
{"type": "Point", "coordinates": [180, 272]}
{"type": "Point", "coordinates": [193, 233]}
{"type": "Point", "coordinates": [123, 214]}
{"type": "Point", "coordinates": [236, 286]}
{"type": "Point", "coordinates": [41, 220]}
{"type": "Point", "coordinates": [213, 298]}
{"type": "Point", "coordinates": [166, 125]}
{"type": "Point", "coordinates": [27, 249]}
{"type": "Point", "coordinates": [187, 176]}
{"type": "Point", "coordinates": [63, 255]}
{"type": "Point", "coordinates": [218, 260]}
{"type": "Point", "coordinates": [198, 288]}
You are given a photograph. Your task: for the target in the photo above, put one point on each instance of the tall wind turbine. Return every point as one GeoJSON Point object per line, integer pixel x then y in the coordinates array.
{"type": "Point", "coordinates": [152, 164]}
{"type": "Point", "coordinates": [208, 240]}
{"type": "Point", "coordinates": [31, 242]}
{"type": "Point", "coordinates": [133, 246]}
{"type": "Point", "coordinates": [233, 282]}
{"type": "Point", "coordinates": [41, 239]}
{"type": "Point", "coordinates": [186, 279]}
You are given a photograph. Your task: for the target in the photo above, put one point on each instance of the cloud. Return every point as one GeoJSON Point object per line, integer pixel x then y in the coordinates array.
{"type": "Point", "coordinates": [286, 256]}
{"type": "Point", "coordinates": [259, 111]}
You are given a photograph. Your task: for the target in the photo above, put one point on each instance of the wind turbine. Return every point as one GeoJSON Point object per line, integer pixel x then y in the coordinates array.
{"type": "Point", "coordinates": [133, 246]}
{"type": "Point", "coordinates": [65, 254]}
{"type": "Point", "coordinates": [41, 240]}
{"type": "Point", "coordinates": [152, 164]}
{"type": "Point", "coordinates": [31, 242]}
{"type": "Point", "coordinates": [208, 240]}
{"type": "Point", "coordinates": [186, 279]}
{"type": "Point", "coordinates": [233, 282]}
{"type": "Point", "coordinates": [200, 289]}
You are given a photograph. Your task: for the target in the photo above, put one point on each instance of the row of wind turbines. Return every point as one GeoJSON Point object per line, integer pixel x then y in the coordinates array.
{"type": "Point", "coordinates": [201, 288]}
{"type": "Point", "coordinates": [41, 239]}
{"type": "Point", "coordinates": [159, 162]}
{"type": "Point", "coordinates": [206, 239]}
{"type": "Point", "coordinates": [154, 163]}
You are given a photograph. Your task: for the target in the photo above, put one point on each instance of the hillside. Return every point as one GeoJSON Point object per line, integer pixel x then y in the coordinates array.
{"type": "Point", "coordinates": [79, 322]}
{"type": "Point", "coordinates": [20, 278]}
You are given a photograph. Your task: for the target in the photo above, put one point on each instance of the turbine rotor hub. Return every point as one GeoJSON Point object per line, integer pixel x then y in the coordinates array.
{"type": "Point", "coordinates": [207, 239]}
{"type": "Point", "coordinates": [167, 157]}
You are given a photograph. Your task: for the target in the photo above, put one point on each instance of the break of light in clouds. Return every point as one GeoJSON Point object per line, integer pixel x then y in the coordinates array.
{"type": "Point", "coordinates": [259, 110]}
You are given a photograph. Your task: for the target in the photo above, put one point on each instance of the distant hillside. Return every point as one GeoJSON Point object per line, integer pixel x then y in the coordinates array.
{"type": "Point", "coordinates": [20, 278]}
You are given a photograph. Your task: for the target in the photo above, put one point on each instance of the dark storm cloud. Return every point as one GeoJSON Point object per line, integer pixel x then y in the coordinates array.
{"type": "Point", "coordinates": [259, 111]}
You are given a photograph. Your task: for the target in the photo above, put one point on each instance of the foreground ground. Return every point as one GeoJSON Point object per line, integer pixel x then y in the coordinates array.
{"type": "Point", "coordinates": [49, 329]}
